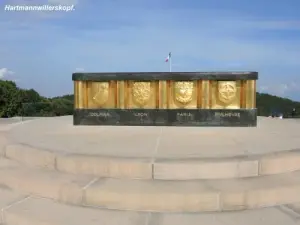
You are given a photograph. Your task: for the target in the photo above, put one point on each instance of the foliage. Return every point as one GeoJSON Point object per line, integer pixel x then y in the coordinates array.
{"type": "Point", "coordinates": [15, 101]}
{"type": "Point", "coordinates": [9, 99]}
{"type": "Point", "coordinates": [19, 102]}
{"type": "Point", "coordinates": [267, 104]}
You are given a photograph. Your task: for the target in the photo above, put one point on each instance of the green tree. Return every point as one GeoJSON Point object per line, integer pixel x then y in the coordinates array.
{"type": "Point", "coordinates": [62, 106]}
{"type": "Point", "coordinates": [267, 103]}
{"type": "Point", "coordinates": [9, 99]}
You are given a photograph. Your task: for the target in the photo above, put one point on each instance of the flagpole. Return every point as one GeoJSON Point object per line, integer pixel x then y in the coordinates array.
{"type": "Point", "coordinates": [169, 60]}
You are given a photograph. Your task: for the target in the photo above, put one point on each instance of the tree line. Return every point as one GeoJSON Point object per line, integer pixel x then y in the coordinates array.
{"type": "Point", "coordinates": [15, 101]}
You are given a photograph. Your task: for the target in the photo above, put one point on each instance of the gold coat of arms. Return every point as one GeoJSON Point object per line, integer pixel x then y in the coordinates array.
{"type": "Point", "coordinates": [184, 91]}
{"type": "Point", "coordinates": [102, 92]}
{"type": "Point", "coordinates": [227, 91]}
{"type": "Point", "coordinates": [141, 93]}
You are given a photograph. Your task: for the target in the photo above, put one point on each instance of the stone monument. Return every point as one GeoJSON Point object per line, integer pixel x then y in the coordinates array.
{"type": "Point", "coordinates": [165, 99]}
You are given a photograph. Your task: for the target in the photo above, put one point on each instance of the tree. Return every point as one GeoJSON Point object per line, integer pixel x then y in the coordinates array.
{"type": "Point", "coordinates": [30, 96]}
{"type": "Point", "coordinates": [9, 99]}
{"type": "Point", "coordinates": [62, 106]}
{"type": "Point", "coordinates": [267, 103]}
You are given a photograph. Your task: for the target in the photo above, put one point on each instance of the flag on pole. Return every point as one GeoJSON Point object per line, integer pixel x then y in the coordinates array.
{"type": "Point", "coordinates": [168, 57]}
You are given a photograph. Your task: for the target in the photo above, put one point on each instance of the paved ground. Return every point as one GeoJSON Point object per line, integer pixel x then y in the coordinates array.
{"type": "Point", "coordinates": [271, 135]}
{"type": "Point", "coordinates": [15, 120]}
{"type": "Point", "coordinates": [23, 210]}
{"type": "Point", "coordinates": [4, 121]}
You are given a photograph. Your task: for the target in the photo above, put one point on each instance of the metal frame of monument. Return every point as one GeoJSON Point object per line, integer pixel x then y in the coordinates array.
{"type": "Point", "coordinates": [165, 99]}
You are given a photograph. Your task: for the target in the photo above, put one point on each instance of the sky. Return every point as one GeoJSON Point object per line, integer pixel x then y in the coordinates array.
{"type": "Point", "coordinates": [41, 49]}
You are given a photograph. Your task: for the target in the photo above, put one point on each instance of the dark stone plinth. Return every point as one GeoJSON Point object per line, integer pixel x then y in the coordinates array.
{"type": "Point", "coordinates": [167, 117]}
{"type": "Point", "coordinates": [176, 76]}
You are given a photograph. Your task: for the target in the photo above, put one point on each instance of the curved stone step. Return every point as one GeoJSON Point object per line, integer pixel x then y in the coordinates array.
{"type": "Point", "coordinates": [160, 169]}
{"type": "Point", "coordinates": [38, 211]}
{"type": "Point", "coordinates": [162, 153]}
{"type": "Point", "coordinates": [153, 195]}
{"type": "Point", "coordinates": [20, 210]}
{"type": "Point", "coordinates": [8, 198]}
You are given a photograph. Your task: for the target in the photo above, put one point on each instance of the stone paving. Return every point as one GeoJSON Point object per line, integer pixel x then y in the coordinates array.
{"type": "Point", "coordinates": [25, 210]}
{"type": "Point", "coordinates": [58, 135]}
{"type": "Point", "coordinates": [271, 135]}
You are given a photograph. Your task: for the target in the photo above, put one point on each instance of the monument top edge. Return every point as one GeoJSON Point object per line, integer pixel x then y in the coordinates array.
{"type": "Point", "coordinates": [149, 76]}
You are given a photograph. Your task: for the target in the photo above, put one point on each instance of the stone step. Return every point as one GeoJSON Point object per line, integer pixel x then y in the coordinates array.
{"type": "Point", "coordinates": [153, 195]}
{"type": "Point", "coordinates": [19, 209]}
{"type": "Point", "coordinates": [39, 211]}
{"type": "Point", "coordinates": [8, 198]}
{"type": "Point", "coordinates": [159, 169]}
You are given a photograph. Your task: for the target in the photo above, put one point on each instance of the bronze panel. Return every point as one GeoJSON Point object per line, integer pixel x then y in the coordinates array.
{"type": "Point", "coordinates": [141, 94]}
{"type": "Point", "coordinates": [80, 97]}
{"type": "Point", "coordinates": [101, 95]}
{"type": "Point", "coordinates": [243, 90]}
{"type": "Point", "coordinates": [163, 97]}
{"type": "Point", "coordinates": [121, 94]}
{"type": "Point", "coordinates": [199, 94]}
{"type": "Point", "coordinates": [206, 96]}
{"type": "Point", "coordinates": [225, 94]}
{"type": "Point", "coordinates": [76, 95]}
{"type": "Point", "coordinates": [251, 94]}
{"type": "Point", "coordinates": [182, 94]}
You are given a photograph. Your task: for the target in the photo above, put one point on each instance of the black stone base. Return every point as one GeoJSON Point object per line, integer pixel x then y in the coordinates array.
{"type": "Point", "coordinates": [167, 117]}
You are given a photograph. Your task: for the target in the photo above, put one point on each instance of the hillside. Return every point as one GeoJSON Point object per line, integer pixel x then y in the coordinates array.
{"type": "Point", "coordinates": [267, 103]}
{"type": "Point", "coordinates": [20, 102]}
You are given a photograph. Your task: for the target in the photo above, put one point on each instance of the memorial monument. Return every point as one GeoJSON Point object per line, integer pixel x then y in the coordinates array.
{"type": "Point", "coordinates": [165, 98]}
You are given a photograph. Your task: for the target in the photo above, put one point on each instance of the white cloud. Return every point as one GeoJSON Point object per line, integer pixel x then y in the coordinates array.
{"type": "Point", "coordinates": [79, 69]}
{"type": "Point", "coordinates": [4, 72]}
{"type": "Point", "coordinates": [279, 89]}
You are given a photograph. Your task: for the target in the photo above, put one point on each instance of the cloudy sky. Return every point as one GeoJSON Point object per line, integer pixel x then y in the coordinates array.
{"type": "Point", "coordinates": [41, 49]}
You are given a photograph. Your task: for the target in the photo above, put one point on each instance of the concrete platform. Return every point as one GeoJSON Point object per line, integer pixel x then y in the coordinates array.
{"type": "Point", "coordinates": [58, 134]}
{"type": "Point", "coordinates": [21, 210]}
{"type": "Point", "coordinates": [152, 195]}
{"type": "Point", "coordinates": [50, 176]}
{"type": "Point", "coordinates": [163, 153]}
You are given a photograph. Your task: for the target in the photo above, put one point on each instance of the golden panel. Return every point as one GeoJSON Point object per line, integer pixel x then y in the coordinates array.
{"type": "Point", "coordinates": [163, 97]}
{"type": "Point", "coordinates": [199, 94]}
{"type": "Point", "coordinates": [182, 94]}
{"type": "Point", "coordinates": [250, 94]}
{"type": "Point", "coordinates": [225, 94]}
{"type": "Point", "coordinates": [165, 94]}
{"type": "Point", "coordinates": [80, 96]}
{"type": "Point", "coordinates": [101, 95]}
{"type": "Point", "coordinates": [141, 94]}
{"type": "Point", "coordinates": [76, 95]}
{"type": "Point", "coordinates": [121, 94]}
{"type": "Point", "coordinates": [206, 96]}
{"type": "Point", "coordinates": [243, 94]}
